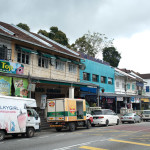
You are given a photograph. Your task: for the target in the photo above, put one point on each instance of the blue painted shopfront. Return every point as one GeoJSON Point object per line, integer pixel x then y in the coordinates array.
{"type": "Point", "coordinates": [99, 71]}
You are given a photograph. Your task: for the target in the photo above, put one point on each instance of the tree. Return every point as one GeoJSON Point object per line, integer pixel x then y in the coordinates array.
{"type": "Point", "coordinates": [43, 32]}
{"type": "Point", "coordinates": [24, 26]}
{"type": "Point", "coordinates": [111, 55]}
{"type": "Point", "coordinates": [91, 44]}
{"type": "Point", "coordinates": [58, 36]}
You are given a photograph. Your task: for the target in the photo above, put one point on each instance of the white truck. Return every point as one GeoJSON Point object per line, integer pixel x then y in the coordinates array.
{"type": "Point", "coordinates": [17, 116]}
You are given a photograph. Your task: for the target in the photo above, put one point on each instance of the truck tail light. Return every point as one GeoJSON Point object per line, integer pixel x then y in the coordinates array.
{"type": "Point", "coordinates": [130, 117]}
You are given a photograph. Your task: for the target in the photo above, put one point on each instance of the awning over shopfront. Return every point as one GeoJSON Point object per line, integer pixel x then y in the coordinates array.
{"type": "Point", "coordinates": [61, 82]}
{"type": "Point", "coordinates": [26, 50]}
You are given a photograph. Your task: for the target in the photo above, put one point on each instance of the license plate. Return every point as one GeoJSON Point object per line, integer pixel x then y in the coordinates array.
{"type": "Point", "coordinates": [146, 115]}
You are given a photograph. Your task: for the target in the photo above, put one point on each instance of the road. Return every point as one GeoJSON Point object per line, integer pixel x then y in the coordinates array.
{"type": "Point", "coordinates": [121, 137]}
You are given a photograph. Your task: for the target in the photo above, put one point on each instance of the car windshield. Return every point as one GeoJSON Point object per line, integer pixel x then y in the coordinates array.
{"type": "Point", "coordinates": [146, 112]}
{"type": "Point", "coordinates": [96, 112]}
{"type": "Point", "coordinates": [129, 114]}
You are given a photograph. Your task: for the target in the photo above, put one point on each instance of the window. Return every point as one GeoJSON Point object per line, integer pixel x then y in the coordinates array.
{"type": "Point", "coordinates": [117, 84]}
{"type": "Point", "coordinates": [95, 78]}
{"type": "Point", "coordinates": [59, 65]}
{"type": "Point", "coordinates": [5, 53]}
{"type": "Point", "coordinates": [23, 57]}
{"type": "Point", "coordinates": [86, 76]}
{"type": "Point", "coordinates": [103, 79]}
{"type": "Point", "coordinates": [72, 68]}
{"type": "Point", "coordinates": [43, 62]}
{"type": "Point", "coordinates": [133, 86]}
{"type": "Point", "coordinates": [110, 81]}
{"type": "Point", "coordinates": [128, 86]}
{"type": "Point", "coordinates": [147, 88]}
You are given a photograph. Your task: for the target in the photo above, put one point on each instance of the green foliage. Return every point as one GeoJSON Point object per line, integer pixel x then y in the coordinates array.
{"type": "Point", "coordinates": [91, 44]}
{"type": "Point", "coordinates": [24, 26]}
{"type": "Point", "coordinates": [43, 32]}
{"type": "Point", "coordinates": [111, 55]}
{"type": "Point", "coordinates": [58, 36]}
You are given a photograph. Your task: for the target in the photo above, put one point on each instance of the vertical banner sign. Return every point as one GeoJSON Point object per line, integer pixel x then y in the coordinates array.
{"type": "Point", "coordinates": [21, 86]}
{"type": "Point", "coordinates": [5, 85]}
{"type": "Point", "coordinates": [43, 102]}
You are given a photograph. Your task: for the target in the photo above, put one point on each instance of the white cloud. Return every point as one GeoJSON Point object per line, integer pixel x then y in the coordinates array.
{"type": "Point", "coordinates": [135, 52]}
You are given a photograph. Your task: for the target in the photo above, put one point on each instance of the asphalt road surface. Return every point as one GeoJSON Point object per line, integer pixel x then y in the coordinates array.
{"type": "Point", "coordinates": [118, 137]}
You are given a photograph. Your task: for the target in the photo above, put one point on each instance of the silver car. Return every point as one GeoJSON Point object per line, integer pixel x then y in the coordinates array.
{"type": "Point", "coordinates": [146, 115]}
{"type": "Point", "coordinates": [130, 117]}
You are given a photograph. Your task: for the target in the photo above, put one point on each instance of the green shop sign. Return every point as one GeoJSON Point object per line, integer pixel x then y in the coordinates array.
{"type": "Point", "coordinates": [10, 67]}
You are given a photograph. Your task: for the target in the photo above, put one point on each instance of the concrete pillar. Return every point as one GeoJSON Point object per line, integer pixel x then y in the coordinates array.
{"type": "Point", "coordinates": [71, 92]}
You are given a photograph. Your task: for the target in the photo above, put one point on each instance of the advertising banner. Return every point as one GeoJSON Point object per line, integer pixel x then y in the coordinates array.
{"type": "Point", "coordinates": [10, 67]}
{"type": "Point", "coordinates": [21, 86]}
{"type": "Point", "coordinates": [5, 85]}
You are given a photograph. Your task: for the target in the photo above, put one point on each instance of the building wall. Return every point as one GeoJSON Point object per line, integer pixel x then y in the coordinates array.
{"type": "Point", "coordinates": [99, 69]}
{"type": "Point", "coordinates": [119, 85]}
{"type": "Point", "coordinates": [147, 84]}
{"type": "Point", "coordinates": [122, 84]}
{"type": "Point", "coordinates": [34, 70]}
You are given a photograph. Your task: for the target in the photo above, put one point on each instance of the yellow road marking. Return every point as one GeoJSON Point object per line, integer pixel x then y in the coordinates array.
{"type": "Point", "coordinates": [92, 148]}
{"type": "Point", "coordinates": [129, 142]}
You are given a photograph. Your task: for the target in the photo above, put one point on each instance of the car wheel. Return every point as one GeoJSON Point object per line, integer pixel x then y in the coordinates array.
{"type": "Point", "coordinates": [2, 135]}
{"type": "Point", "coordinates": [107, 123]}
{"type": "Point", "coordinates": [72, 126]}
{"type": "Point", "coordinates": [88, 125]}
{"type": "Point", "coordinates": [30, 132]}
{"type": "Point", "coordinates": [58, 129]}
{"type": "Point", "coordinates": [122, 122]}
{"type": "Point", "coordinates": [117, 122]}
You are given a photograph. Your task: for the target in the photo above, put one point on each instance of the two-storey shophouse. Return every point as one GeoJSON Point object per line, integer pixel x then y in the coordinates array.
{"type": "Point", "coordinates": [102, 74]}
{"type": "Point", "coordinates": [35, 66]}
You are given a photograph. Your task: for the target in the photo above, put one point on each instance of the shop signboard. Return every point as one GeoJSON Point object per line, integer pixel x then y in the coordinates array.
{"type": "Point", "coordinates": [5, 85]}
{"type": "Point", "coordinates": [21, 86]}
{"type": "Point", "coordinates": [132, 99]}
{"type": "Point", "coordinates": [10, 67]}
{"type": "Point", "coordinates": [120, 99]}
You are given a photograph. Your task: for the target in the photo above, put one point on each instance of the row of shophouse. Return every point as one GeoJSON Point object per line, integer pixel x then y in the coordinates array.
{"type": "Point", "coordinates": [32, 65]}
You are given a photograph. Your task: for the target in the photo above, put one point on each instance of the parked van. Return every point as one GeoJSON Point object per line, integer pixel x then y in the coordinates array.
{"type": "Point", "coordinates": [17, 116]}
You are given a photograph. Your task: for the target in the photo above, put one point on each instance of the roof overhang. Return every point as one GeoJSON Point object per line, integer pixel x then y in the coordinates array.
{"type": "Point", "coordinates": [28, 42]}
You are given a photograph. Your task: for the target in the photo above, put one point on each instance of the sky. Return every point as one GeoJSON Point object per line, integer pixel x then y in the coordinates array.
{"type": "Point", "coordinates": [125, 21]}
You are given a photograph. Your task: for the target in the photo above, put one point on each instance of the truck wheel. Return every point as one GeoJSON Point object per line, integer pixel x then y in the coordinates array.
{"type": "Point", "coordinates": [30, 132]}
{"type": "Point", "coordinates": [88, 125]}
{"type": "Point", "coordinates": [2, 135]}
{"type": "Point", "coordinates": [58, 129]}
{"type": "Point", "coordinates": [72, 126]}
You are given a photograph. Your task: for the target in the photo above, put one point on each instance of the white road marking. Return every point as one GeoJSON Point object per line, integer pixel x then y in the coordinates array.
{"type": "Point", "coordinates": [23, 140]}
{"type": "Point", "coordinates": [43, 137]}
{"type": "Point", "coordinates": [86, 143]}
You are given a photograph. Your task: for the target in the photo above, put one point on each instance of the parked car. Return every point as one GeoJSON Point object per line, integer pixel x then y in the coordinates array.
{"type": "Point", "coordinates": [146, 115]}
{"type": "Point", "coordinates": [130, 117]}
{"type": "Point", "coordinates": [104, 117]}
